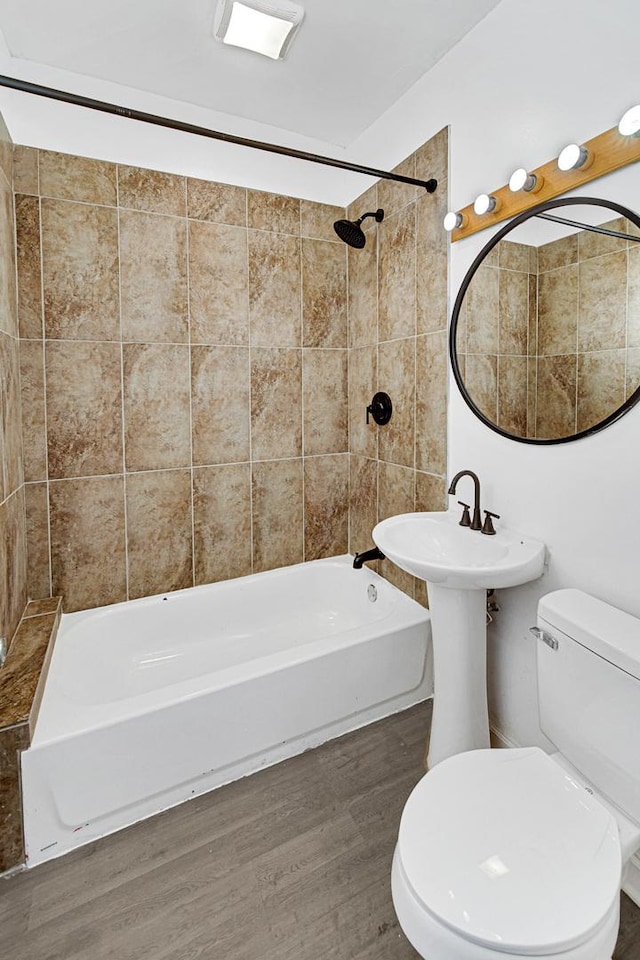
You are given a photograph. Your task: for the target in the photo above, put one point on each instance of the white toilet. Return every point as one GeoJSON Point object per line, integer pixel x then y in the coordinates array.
{"type": "Point", "coordinates": [515, 853]}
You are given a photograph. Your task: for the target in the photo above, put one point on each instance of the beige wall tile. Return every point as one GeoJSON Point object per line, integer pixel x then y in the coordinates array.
{"type": "Point", "coordinates": [514, 256]}
{"type": "Point", "coordinates": [601, 386]}
{"type": "Point", "coordinates": [87, 541]}
{"type": "Point", "coordinates": [221, 404]}
{"type": "Point", "coordinates": [6, 153]}
{"type": "Point", "coordinates": [633, 296]}
{"type": "Point", "coordinates": [393, 195]}
{"type": "Point", "coordinates": [13, 562]}
{"type": "Point", "coordinates": [602, 305]}
{"type": "Point", "coordinates": [556, 400]}
{"type": "Point", "coordinates": [25, 170]}
{"type": "Point", "coordinates": [222, 522]}
{"type": "Point", "coordinates": [597, 244]}
{"type": "Point", "coordinates": [481, 381]}
{"type": "Point", "coordinates": [431, 403]}
{"type": "Point", "coordinates": [12, 458]}
{"type": "Point", "coordinates": [28, 266]}
{"type": "Point", "coordinates": [80, 244]}
{"type": "Point", "coordinates": [396, 494]}
{"type": "Point", "coordinates": [159, 541]}
{"type": "Point", "coordinates": [482, 301]}
{"type": "Point", "coordinates": [558, 253]}
{"type": "Point", "coordinates": [324, 387]}
{"type": "Point", "coordinates": [276, 403]}
{"type": "Point", "coordinates": [67, 177]}
{"type": "Point", "coordinates": [273, 212]}
{"type": "Point", "coordinates": [432, 158]}
{"type": "Point", "coordinates": [34, 435]}
{"type": "Point", "coordinates": [218, 283]}
{"type": "Point", "coordinates": [532, 335]}
{"type": "Point", "coordinates": [152, 191]}
{"type": "Point", "coordinates": [8, 293]}
{"type": "Point", "coordinates": [397, 275]}
{"type": "Point", "coordinates": [84, 408]}
{"type": "Point", "coordinates": [512, 395]}
{"type": "Point", "coordinates": [432, 258]}
{"type": "Point", "coordinates": [37, 539]}
{"type": "Point", "coordinates": [326, 506]}
{"type": "Point", "coordinates": [396, 490]}
{"type": "Point", "coordinates": [363, 502]}
{"type": "Point", "coordinates": [156, 406]}
{"type": "Point", "coordinates": [431, 492]}
{"type": "Point", "coordinates": [153, 278]}
{"type": "Point", "coordinates": [274, 290]}
{"type": "Point", "coordinates": [218, 202]}
{"type": "Point", "coordinates": [317, 220]}
{"type": "Point", "coordinates": [363, 384]}
{"type": "Point", "coordinates": [277, 514]}
{"type": "Point", "coordinates": [12, 740]}
{"type": "Point", "coordinates": [558, 311]}
{"type": "Point", "coordinates": [514, 313]}
{"type": "Point", "coordinates": [366, 202]}
{"type": "Point", "coordinates": [532, 395]}
{"type": "Point", "coordinates": [324, 294]}
{"type": "Point", "coordinates": [363, 294]}
{"type": "Point", "coordinates": [396, 376]}
{"type": "Point", "coordinates": [632, 378]}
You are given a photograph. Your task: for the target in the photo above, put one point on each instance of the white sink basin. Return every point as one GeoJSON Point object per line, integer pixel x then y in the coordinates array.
{"type": "Point", "coordinates": [434, 547]}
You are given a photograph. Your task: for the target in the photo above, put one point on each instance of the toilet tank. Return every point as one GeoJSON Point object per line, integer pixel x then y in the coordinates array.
{"type": "Point", "coordinates": [589, 691]}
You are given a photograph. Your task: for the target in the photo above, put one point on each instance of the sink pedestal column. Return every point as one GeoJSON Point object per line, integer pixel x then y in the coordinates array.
{"type": "Point", "coordinates": [460, 714]}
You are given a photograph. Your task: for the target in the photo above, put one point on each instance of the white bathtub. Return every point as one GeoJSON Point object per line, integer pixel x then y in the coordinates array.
{"type": "Point", "coordinates": [151, 702]}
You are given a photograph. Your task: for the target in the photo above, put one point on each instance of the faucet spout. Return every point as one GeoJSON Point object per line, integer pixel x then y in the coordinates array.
{"type": "Point", "coordinates": [476, 523]}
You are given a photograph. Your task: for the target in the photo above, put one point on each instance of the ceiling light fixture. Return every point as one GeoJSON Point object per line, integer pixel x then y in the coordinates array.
{"type": "Point", "coordinates": [573, 157]}
{"type": "Point", "coordinates": [521, 179]}
{"type": "Point", "coordinates": [629, 125]}
{"type": "Point", "coordinates": [259, 25]}
{"type": "Point", "coordinates": [484, 204]}
{"type": "Point", "coordinates": [453, 221]}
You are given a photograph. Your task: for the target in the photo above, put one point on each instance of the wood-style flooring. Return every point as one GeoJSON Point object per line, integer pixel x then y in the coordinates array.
{"type": "Point", "coordinates": [292, 863]}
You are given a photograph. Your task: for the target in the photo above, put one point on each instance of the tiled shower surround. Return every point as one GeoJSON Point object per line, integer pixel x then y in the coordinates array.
{"type": "Point", "coordinates": [398, 344]}
{"type": "Point", "coordinates": [185, 356]}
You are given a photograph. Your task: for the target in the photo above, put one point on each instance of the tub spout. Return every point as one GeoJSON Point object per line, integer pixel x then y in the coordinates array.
{"type": "Point", "coordinates": [360, 558]}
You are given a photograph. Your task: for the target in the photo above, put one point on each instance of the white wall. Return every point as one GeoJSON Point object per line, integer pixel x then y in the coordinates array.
{"type": "Point", "coordinates": [534, 75]}
{"type": "Point", "coordinates": [530, 77]}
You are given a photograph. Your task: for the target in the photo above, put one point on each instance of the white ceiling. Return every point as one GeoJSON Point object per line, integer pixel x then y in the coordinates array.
{"type": "Point", "coordinates": [350, 62]}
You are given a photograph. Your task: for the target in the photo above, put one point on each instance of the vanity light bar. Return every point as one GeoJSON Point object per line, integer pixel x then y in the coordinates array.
{"type": "Point", "coordinates": [577, 164]}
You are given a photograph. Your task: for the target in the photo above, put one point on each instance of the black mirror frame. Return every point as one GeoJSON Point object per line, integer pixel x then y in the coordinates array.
{"type": "Point", "coordinates": [502, 232]}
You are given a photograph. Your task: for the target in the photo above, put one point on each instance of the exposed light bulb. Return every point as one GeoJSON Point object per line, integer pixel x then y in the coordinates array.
{"type": "Point", "coordinates": [453, 221]}
{"type": "Point", "coordinates": [629, 125]}
{"type": "Point", "coordinates": [573, 157]}
{"type": "Point", "coordinates": [484, 204]}
{"type": "Point", "coordinates": [521, 179]}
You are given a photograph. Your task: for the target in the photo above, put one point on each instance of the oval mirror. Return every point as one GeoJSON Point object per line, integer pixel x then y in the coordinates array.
{"type": "Point", "coordinates": [545, 334]}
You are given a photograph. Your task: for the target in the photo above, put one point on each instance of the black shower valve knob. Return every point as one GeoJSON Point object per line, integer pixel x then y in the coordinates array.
{"type": "Point", "coordinates": [380, 408]}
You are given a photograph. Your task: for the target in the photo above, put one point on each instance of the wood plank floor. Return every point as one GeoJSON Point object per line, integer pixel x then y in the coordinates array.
{"type": "Point", "coordinates": [292, 863]}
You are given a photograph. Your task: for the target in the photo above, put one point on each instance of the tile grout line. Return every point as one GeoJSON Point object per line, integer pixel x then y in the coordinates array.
{"type": "Point", "coordinates": [190, 342]}
{"type": "Point", "coordinates": [44, 377]}
{"type": "Point", "coordinates": [250, 349]}
{"type": "Point", "coordinates": [122, 395]}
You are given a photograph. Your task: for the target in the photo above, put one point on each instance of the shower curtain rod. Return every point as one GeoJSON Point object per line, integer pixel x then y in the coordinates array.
{"type": "Point", "coordinates": [588, 226]}
{"type": "Point", "coordinates": [24, 86]}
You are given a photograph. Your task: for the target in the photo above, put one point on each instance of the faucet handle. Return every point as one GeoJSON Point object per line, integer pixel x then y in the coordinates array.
{"type": "Point", "coordinates": [488, 523]}
{"type": "Point", "coordinates": [465, 520]}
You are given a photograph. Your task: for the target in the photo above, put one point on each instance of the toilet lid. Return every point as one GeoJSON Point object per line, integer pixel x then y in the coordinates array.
{"type": "Point", "coordinates": [507, 850]}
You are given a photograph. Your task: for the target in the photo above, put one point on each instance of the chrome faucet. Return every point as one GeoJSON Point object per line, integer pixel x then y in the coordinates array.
{"type": "Point", "coordinates": [475, 523]}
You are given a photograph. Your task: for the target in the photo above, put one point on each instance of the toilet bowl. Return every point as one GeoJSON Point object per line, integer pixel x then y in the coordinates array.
{"type": "Point", "coordinates": [502, 854]}
{"type": "Point", "coordinates": [517, 853]}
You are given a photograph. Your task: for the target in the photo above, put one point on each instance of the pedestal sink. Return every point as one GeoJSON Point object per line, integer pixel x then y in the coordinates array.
{"type": "Point", "coordinates": [459, 565]}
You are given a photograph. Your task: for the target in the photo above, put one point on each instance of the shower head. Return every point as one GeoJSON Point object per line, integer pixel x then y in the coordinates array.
{"type": "Point", "coordinates": [352, 233]}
